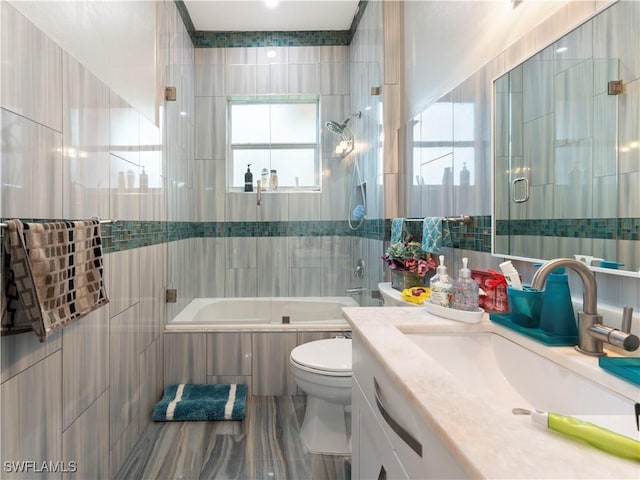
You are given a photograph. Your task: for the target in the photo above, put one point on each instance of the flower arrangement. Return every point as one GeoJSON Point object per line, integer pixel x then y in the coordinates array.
{"type": "Point", "coordinates": [409, 256]}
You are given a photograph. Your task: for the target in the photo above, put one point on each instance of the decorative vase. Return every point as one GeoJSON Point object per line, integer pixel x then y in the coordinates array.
{"type": "Point", "coordinates": [401, 279]}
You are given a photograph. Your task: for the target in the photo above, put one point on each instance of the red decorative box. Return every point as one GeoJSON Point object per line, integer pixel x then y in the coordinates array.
{"type": "Point", "coordinates": [495, 287]}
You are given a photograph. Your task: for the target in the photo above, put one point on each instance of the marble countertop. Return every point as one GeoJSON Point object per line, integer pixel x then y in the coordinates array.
{"type": "Point", "coordinates": [486, 441]}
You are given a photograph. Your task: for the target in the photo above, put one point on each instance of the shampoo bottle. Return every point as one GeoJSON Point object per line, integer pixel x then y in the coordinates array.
{"type": "Point", "coordinates": [441, 287]}
{"type": "Point", "coordinates": [248, 180]}
{"type": "Point", "coordinates": [465, 290]}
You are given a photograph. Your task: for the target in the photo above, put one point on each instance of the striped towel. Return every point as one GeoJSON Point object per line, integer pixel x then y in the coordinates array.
{"type": "Point", "coordinates": [52, 275]}
{"type": "Point", "coordinates": [199, 402]}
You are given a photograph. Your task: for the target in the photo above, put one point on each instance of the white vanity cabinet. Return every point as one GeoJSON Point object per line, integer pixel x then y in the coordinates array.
{"type": "Point", "coordinates": [389, 437]}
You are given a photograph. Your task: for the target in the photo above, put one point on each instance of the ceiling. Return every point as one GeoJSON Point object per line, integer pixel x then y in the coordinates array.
{"type": "Point", "coordinates": [255, 15]}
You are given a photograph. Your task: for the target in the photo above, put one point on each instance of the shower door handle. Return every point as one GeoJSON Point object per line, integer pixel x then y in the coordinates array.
{"type": "Point", "coordinates": [525, 197]}
{"type": "Point", "coordinates": [258, 192]}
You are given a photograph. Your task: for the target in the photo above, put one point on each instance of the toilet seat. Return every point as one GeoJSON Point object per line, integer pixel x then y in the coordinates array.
{"type": "Point", "coordinates": [331, 357]}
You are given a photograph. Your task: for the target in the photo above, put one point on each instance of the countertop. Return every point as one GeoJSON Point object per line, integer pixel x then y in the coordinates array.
{"type": "Point", "coordinates": [486, 441]}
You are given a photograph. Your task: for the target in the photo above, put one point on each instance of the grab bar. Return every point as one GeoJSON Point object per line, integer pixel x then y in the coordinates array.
{"type": "Point", "coordinates": [409, 439]}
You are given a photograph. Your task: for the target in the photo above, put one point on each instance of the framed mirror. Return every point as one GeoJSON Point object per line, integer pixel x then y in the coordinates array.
{"type": "Point", "coordinates": [567, 148]}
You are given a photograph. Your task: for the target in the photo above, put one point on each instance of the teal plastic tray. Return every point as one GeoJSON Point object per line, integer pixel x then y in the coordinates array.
{"type": "Point", "coordinates": [627, 368]}
{"type": "Point", "coordinates": [535, 333]}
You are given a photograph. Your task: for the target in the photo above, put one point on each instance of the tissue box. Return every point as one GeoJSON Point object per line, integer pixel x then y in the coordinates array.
{"type": "Point", "coordinates": [496, 300]}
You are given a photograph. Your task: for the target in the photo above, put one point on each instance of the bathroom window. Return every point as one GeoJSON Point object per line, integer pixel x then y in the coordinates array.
{"type": "Point", "coordinates": [278, 135]}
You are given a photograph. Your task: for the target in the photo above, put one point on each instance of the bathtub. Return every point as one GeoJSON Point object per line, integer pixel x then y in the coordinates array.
{"type": "Point", "coordinates": [262, 313]}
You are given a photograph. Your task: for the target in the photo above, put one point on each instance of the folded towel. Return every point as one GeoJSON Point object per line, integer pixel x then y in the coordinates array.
{"type": "Point", "coordinates": [52, 275]}
{"type": "Point", "coordinates": [397, 229]}
{"type": "Point", "coordinates": [435, 234]}
{"type": "Point", "coordinates": [199, 402]}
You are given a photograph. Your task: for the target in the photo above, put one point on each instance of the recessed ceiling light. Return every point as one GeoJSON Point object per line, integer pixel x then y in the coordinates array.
{"type": "Point", "coordinates": [271, 54]}
{"type": "Point", "coordinates": [561, 49]}
{"type": "Point", "coordinates": [271, 3]}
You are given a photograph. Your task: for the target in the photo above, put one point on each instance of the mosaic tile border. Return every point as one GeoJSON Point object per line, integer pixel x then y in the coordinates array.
{"type": "Point", "coordinates": [602, 228]}
{"type": "Point", "coordinates": [130, 234]}
{"type": "Point", "coordinates": [206, 39]}
{"type": "Point", "coordinates": [202, 39]}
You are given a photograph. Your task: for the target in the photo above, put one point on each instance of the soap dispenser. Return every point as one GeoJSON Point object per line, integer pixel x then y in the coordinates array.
{"type": "Point", "coordinates": [441, 287]}
{"type": "Point", "coordinates": [465, 290]}
{"type": "Point", "coordinates": [248, 180]}
{"type": "Point", "coordinates": [557, 316]}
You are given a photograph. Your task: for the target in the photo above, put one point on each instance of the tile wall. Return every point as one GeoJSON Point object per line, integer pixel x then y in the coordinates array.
{"type": "Point", "coordinates": [320, 261]}
{"type": "Point", "coordinates": [71, 148]}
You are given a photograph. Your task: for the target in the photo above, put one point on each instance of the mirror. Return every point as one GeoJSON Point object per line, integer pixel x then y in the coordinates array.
{"type": "Point", "coordinates": [566, 148]}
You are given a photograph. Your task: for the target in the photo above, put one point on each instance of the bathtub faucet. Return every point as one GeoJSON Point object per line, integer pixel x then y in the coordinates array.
{"type": "Point", "coordinates": [591, 332]}
{"type": "Point", "coordinates": [356, 291]}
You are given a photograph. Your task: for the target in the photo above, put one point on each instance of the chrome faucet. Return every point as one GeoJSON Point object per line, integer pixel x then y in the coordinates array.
{"type": "Point", "coordinates": [591, 332]}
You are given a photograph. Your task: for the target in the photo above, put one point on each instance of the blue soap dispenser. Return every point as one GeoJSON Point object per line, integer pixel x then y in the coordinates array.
{"type": "Point", "coordinates": [557, 316]}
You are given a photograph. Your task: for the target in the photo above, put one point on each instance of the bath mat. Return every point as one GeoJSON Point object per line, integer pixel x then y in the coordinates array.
{"type": "Point", "coordinates": [200, 402]}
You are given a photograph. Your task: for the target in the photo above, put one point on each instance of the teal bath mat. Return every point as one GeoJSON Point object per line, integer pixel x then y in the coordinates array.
{"type": "Point", "coordinates": [200, 402]}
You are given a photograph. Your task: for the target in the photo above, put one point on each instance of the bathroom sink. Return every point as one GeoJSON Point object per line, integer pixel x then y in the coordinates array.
{"type": "Point", "coordinates": [509, 375]}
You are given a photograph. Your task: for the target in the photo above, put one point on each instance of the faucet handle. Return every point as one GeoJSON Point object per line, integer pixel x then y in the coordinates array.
{"type": "Point", "coordinates": [627, 317]}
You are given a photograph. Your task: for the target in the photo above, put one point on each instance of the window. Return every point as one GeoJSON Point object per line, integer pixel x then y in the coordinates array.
{"type": "Point", "coordinates": [275, 134]}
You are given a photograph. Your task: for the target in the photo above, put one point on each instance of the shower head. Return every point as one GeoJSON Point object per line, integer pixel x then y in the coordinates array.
{"type": "Point", "coordinates": [335, 127]}
{"type": "Point", "coordinates": [339, 128]}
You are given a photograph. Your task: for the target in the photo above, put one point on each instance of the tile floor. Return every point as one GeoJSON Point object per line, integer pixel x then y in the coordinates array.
{"type": "Point", "coordinates": [263, 446]}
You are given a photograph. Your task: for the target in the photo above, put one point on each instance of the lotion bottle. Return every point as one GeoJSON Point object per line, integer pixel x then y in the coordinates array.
{"type": "Point", "coordinates": [441, 287]}
{"type": "Point", "coordinates": [465, 290]}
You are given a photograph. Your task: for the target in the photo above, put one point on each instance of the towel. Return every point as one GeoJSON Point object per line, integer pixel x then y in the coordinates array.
{"type": "Point", "coordinates": [435, 234]}
{"type": "Point", "coordinates": [52, 275]}
{"type": "Point", "coordinates": [397, 229]}
{"type": "Point", "coordinates": [199, 402]}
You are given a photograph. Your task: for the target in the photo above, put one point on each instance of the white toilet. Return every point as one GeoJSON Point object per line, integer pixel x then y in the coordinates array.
{"type": "Point", "coordinates": [322, 369]}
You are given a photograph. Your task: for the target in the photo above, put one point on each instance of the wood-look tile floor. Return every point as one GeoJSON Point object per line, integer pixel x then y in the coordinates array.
{"type": "Point", "coordinates": [266, 445]}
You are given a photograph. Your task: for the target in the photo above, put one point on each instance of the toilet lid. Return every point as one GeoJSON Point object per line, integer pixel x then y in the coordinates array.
{"type": "Point", "coordinates": [330, 355]}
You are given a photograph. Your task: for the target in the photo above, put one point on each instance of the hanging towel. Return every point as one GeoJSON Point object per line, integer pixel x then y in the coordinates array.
{"type": "Point", "coordinates": [397, 228]}
{"type": "Point", "coordinates": [199, 402]}
{"type": "Point", "coordinates": [52, 275]}
{"type": "Point", "coordinates": [435, 234]}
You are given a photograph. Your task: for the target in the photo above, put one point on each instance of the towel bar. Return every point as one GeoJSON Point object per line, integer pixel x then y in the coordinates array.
{"type": "Point", "coordinates": [4, 225]}
{"type": "Point", "coordinates": [459, 219]}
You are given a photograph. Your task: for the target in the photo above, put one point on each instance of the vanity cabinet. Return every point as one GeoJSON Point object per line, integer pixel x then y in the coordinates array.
{"type": "Point", "coordinates": [390, 438]}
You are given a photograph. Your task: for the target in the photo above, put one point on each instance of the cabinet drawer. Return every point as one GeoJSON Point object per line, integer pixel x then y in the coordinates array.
{"type": "Point", "coordinates": [420, 451]}
{"type": "Point", "coordinates": [373, 455]}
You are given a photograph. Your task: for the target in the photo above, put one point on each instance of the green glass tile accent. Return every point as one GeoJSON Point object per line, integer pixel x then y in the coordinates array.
{"type": "Point", "coordinates": [128, 234]}
{"type": "Point", "coordinates": [206, 39]}
{"type": "Point", "coordinates": [602, 228]}
{"type": "Point", "coordinates": [202, 39]}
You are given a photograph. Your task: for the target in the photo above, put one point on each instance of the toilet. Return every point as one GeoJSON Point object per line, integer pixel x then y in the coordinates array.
{"type": "Point", "coordinates": [322, 369]}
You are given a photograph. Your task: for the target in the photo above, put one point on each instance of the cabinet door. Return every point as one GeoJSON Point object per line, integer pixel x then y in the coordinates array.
{"type": "Point", "coordinates": [373, 456]}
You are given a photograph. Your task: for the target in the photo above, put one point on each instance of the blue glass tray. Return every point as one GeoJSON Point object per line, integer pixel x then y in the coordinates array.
{"type": "Point", "coordinates": [535, 333]}
{"type": "Point", "coordinates": [627, 368]}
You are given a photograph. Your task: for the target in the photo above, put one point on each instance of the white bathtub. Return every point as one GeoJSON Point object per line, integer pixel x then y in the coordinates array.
{"type": "Point", "coordinates": [262, 313]}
